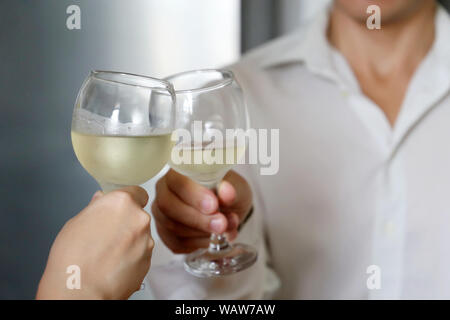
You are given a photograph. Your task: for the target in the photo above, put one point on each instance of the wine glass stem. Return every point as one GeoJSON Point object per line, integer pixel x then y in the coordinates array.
{"type": "Point", "coordinates": [218, 243]}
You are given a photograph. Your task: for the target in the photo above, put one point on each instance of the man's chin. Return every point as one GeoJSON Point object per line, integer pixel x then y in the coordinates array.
{"type": "Point", "coordinates": [392, 11]}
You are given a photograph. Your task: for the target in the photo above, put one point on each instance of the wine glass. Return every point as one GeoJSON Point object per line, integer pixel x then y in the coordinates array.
{"type": "Point", "coordinates": [211, 119]}
{"type": "Point", "coordinates": [121, 127]}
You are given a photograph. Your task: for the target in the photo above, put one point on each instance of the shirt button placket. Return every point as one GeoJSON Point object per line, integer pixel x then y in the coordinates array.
{"type": "Point", "coordinates": [388, 239]}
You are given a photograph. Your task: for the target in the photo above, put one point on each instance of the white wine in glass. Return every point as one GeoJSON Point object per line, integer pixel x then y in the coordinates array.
{"type": "Point", "coordinates": [212, 165]}
{"type": "Point", "coordinates": [214, 100]}
{"type": "Point", "coordinates": [116, 161]}
{"type": "Point", "coordinates": [121, 127]}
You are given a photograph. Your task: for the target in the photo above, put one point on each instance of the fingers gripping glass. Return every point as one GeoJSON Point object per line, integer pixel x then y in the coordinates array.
{"type": "Point", "coordinates": [121, 127]}
{"type": "Point", "coordinates": [211, 108]}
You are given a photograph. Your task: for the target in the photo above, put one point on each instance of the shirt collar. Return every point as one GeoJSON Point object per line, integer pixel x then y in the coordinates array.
{"type": "Point", "coordinates": [309, 46]}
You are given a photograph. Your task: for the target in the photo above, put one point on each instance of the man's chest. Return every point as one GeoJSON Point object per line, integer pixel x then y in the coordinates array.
{"type": "Point", "coordinates": [328, 146]}
{"type": "Point", "coordinates": [340, 193]}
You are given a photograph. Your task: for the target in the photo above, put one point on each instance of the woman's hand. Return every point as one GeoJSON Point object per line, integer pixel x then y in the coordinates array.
{"type": "Point", "coordinates": [109, 241]}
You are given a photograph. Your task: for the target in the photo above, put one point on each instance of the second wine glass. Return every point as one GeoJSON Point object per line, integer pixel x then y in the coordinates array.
{"type": "Point", "coordinates": [211, 119]}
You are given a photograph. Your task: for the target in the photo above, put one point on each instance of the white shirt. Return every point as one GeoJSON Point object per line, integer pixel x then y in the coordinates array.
{"type": "Point", "coordinates": [351, 191]}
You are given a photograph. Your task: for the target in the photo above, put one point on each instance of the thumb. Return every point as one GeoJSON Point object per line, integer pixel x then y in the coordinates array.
{"type": "Point", "coordinates": [226, 193]}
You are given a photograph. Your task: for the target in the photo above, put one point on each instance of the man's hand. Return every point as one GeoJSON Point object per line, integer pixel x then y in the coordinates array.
{"type": "Point", "coordinates": [111, 243]}
{"type": "Point", "coordinates": [186, 213]}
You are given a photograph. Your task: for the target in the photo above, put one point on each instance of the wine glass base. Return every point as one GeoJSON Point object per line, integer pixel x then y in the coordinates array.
{"type": "Point", "coordinates": [204, 263]}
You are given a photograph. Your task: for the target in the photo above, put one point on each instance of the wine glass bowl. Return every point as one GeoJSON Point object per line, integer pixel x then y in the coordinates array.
{"type": "Point", "coordinates": [211, 109]}
{"type": "Point", "coordinates": [121, 127]}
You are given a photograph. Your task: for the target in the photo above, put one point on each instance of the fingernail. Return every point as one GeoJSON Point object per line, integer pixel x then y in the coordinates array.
{"type": "Point", "coordinates": [224, 185]}
{"type": "Point", "coordinates": [207, 205]}
{"type": "Point", "coordinates": [216, 225]}
{"type": "Point", "coordinates": [227, 192]}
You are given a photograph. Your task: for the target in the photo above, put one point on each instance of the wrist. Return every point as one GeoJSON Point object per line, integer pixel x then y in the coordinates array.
{"type": "Point", "coordinates": [54, 288]}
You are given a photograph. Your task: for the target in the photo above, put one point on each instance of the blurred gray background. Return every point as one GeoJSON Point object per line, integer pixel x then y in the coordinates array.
{"type": "Point", "coordinates": [42, 66]}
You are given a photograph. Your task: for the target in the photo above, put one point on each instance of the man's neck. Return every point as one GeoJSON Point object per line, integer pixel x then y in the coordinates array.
{"type": "Point", "coordinates": [399, 45]}
{"type": "Point", "coordinates": [384, 61]}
